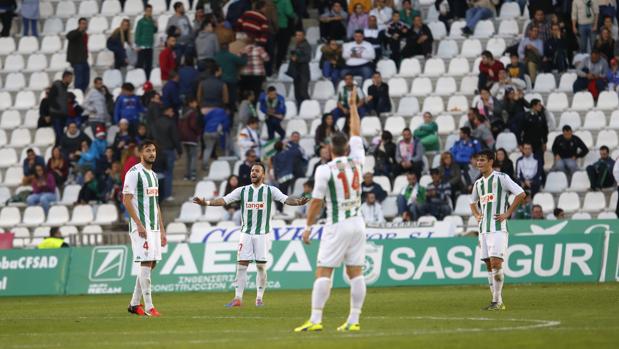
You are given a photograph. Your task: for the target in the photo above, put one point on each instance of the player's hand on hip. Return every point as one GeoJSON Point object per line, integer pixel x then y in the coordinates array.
{"type": "Point", "coordinates": [306, 236]}
{"type": "Point", "coordinates": [501, 217]}
{"type": "Point", "coordinates": [142, 231]}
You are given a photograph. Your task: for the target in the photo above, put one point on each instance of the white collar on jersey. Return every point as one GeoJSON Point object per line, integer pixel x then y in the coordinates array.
{"type": "Point", "coordinates": [491, 174]}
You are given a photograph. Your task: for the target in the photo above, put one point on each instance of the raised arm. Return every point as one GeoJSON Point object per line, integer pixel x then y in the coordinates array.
{"type": "Point", "coordinates": [214, 202]}
{"type": "Point", "coordinates": [355, 120]}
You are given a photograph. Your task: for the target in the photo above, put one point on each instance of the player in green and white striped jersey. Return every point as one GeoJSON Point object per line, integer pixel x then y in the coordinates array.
{"type": "Point", "coordinates": [140, 196]}
{"type": "Point", "coordinates": [490, 192]}
{"type": "Point", "coordinates": [256, 211]}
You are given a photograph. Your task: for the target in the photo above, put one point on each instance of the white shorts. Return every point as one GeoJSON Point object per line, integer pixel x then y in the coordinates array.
{"type": "Point", "coordinates": [254, 247]}
{"type": "Point", "coordinates": [493, 244]}
{"type": "Point", "coordinates": [146, 250]}
{"type": "Point", "coordinates": [343, 242]}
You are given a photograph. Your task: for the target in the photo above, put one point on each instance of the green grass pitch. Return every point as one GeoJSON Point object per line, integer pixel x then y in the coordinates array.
{"type": "Point", "coordinates": [538, 316]}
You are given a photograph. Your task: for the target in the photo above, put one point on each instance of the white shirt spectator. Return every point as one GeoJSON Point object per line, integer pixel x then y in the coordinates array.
{"type": "Point", "coordinates": [248, 139]}
{"type": "Point", "coordinates": [372, 214]}
{"type": "Point", "coordinates": [383, 16]}
{"type": "Point", "coordinates": [358, 54]}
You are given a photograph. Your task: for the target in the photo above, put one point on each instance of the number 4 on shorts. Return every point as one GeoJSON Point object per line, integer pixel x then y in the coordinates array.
{"type": "Point", "coordinates": [145, 245]}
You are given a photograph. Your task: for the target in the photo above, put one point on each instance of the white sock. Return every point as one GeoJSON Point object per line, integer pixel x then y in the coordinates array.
{"type": "Point", "coordinates": [490, 278]}
{"type": "Point", "coordinates": [145, 285]}
{"type": "Point", "coordinates": [498, 285]}
{"type": "Point", "coordinates": [357, 296]}
{"type": "Point", "coordinates": [137, 292]}
{"type": "Point", "coordinates": [320, 294]}
{"type": "Point", "coordinates": [261, 281]}
{"type": "Point", "coordinates": [241, 280]}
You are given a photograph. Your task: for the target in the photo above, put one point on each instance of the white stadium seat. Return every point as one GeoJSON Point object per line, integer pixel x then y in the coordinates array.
{"type": "Point", "coordinates": [545, 200]}
{"type": "Point", "coordinates": [580, 182]}
{"type": "Point", "coordinates": [570, 118]}
{"type": "Point", "coordinates": [88, 8]}
{"type": "Point", "coordinates": [58, 215]}
{"type": "Point", "coordinates": [421, 86]}
{"type": "Point", "coordinates": [608, 100]}
{"type": "Point", "coordinates": [415, 122]}
{"type": "Point", "coordinates": [395, 124]}
{"type": "Point", "coordinates": [10, 119]}
{"type": "Point", "coordinates": [446, 86]}
{"type": "Point", "coordinates": [447, 49]}
{"type": "Point", "coordinates": [545, 83]}
{"type": "Point", "coordinates": [176, 228]}
{"type": "Point", "coordinates": [446, 124]}
{"type": "Point", "coordinates": [38, 81]}
{"type": "Point", "coordinates": [15, 82]}
{"type": "Point", "coordinates": [7, 46]}
{"type": "Point", "coordinates": [190, 213]}
{"type": "Point", "coordinates": [28, 45]}
{"type": "Point", "coordinates": [557, 101]}
{"type": "Point", "coordinates": [111, 8]}
{"type": "Point", "coordinates": [9, 216]}
{"type": "Point", "coordinates": [410, 67]}
{"type": "Point", "coordinates": [457, 104]}
{"type": "Point", "coordinates": [434, 67]}
{"type": "Point", "coordinates": [13, 175]}
{"type": "Point", "coordinates": [471, 48]}
{"type": "Point", "coordinates": [98, 25]}
{"type": "Point", "coordinates": [20, 137]}
{"type": "Point", "coordinates": [310, 109]}
{"type": "Point", "coordinates": [433, 104]}
{"type": "Point", "coordinates": [136, 76]}
{"type": "Point", "coordinates": [323, 89]}
{"type": "Point", "coordinates": [36, 63]}
{"type": "Point", "coordinates": [52, 26]}
{"type": "Point", "coordinates": [408, 106]}
{"type": "Point", "coordinates": [14, 63]}
{"type": "Point", "coordinates": [508, 28]}
{"type": "Point", "coordinates": [112, 78]}
{"type": "Point", "coordinates": [219, 170]}
{"type": "Point", "coordinates": [44, 137]}
{"type": "Point", "coordinates": [484, 29]}
{"type": "Point", "coordinates": [370, 126]}
{"type": "Point", "coordinates": [594, 202]}
{"type": "Point", "coordinates": [106, 214]}
{"type": "Point", "coordinates": [566, 84]}
{"type": "Point", "coordinates": [463, 205]}
{"type": "Point", "coordinates": [594, 120]}
{"type": "Point", "coordinates": [58, 62]}
{"type": "Point", "coordinates": [386, 68]}
{"type": "Point", "coordinates": [455, 31]}
{"type": "Point", "coordinates": [582, 101]}
{"type": "Point", "coordinates": [40, 232]}
{"type": "Point", "coordinates": [214, 214]}
{"type": "Point", "coordinates": [51, 44]}
{"type": "Point", "coordinates": [496, 46]}
{"type": "Point", "coordinates": [65, 9]}
{"type": "Point", "coordinates": [397, 87]}
{"type": "Point", "coordinates": [82, 215]}
{"type": "Point", "coordinates": [390, 207]}
{"type": "Point", "coordinates": [468, 85]}
{"type": "Point", "coordinates": [97, 42]}
{"type": "Point", "coordinates": [586, 137]}
{"type": "Point", "coordinates": [205, 189]}
{"type": "Point", "coordinates": [399, 184]}
{"type": "Point", "coordinates": [33, 216]}
{"type": "Point", "coordinates": [438, 29]}
{"type": "Point", "coordinates": [458, 66]}
{"type": "Point", "coordinates": [607, 138]}
{"type": "Point", "coordinates": [556, 182]}
{"type": "Point", "coordinates": [296, 125]}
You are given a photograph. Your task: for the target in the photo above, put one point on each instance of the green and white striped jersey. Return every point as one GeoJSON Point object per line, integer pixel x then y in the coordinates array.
{"type": "Point", "coordinates": [256, 206]}
{"type": "Point", "coordinates": [492, 193]}
{"type": "Point", "coordinates": [144, 186]}
{"type": "Point", "coordinates": [338, 182]}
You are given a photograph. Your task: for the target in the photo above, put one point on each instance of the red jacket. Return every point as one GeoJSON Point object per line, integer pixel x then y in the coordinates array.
{"type": "Point", "coordinates": [483, 69]}
{"type": "Point", "coordinates": [167, 62]}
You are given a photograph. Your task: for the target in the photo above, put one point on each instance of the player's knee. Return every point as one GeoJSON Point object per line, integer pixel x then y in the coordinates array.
{"type": "Point", "coordinates": [244, 263]}
{"type": "Point", "coordinates": [261, 266]}
{"type": "Point", "coordinates": [353, 271]}
{"type": "Point", "coordinates": [496, 263]}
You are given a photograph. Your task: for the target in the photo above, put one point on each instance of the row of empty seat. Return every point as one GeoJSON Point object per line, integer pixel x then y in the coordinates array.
{"type": "Point", "coordinates": [34, 216]}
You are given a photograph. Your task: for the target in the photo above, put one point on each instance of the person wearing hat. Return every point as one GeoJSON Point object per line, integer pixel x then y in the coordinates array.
{"type": "Point", "coordinates": [55, 240]}
{"type": "Point", "coordinates": [613, 75]}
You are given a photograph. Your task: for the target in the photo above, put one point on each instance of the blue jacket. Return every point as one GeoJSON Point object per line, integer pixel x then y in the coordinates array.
{"type": "Point", "coordinates": [171, 95]}
{"type": "Point", "coordinates": [96, 150]}
{"type": "Point", "coordinates": [463, 151]}
{"type": "Point", "coordinates": [38, 160]}
{"type": "Point", "coordinates": [215, 119]}
{"type": "Point", "coordinates": [613, 77]}
{"type": "Point", "coordinates": [128, 107]}
{"type": "Point", "coordinates": [188, 81]}
{"type": "Point", "coordinates": [280, 107]}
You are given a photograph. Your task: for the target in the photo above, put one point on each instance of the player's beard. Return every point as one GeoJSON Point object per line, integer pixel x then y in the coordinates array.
{"type": "Point", "coordinates": [149, 161]}
{"type": "Point", "coordinates": [256, 180]}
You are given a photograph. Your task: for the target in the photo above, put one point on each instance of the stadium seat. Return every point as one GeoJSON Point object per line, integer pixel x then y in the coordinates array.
{"type": "Point", "coordinates": [323, 89]}
{"type": "Point", "coordinates": [556, 182]}
{"type": "Point", "coordinates": [52, 26]}
{"type": "Point", "coordinates": [399, 184]}
{"type": "Point", "coordinates": [98, 25]}
{"type": "Point", "coordinates": [545, 200]}
{"type": "Point", "coordinates": [28, 45]}
{"type": "Point", "coordinates": [581, 216]}
{"type": "Point", "coordinates": [82, 215]}
{"type": "Point", "coordinates": [10, 119]}
{"type": "Point", "coordinates": [566, 84]}
{"type": "Point", "coordinates": [455, 31]}
{"type": "Point", "coordinates": [446, 124]}
{"type": "Point", "coordinates": [614, 120]}
{"type": "Point", "coordinates": [586, 137]}
{"type": "Point", "coordinates": [97, 42]}
{"type": "Point", "coordinates": [457, 104]}
{"type": "Point", "coordinates": [582, 101]}
{"type": "Point", "coordinates": [296, 125]}
{"type": "Point", "coordinates": [46, 9]}
{"type": "Point", "coordinates": [397, 87]}
{"type": "Point", "coordinates": [594, 202]}
{"type": "Point", "coordinates": [510, 10]}
{"type": "Point", "coordinates": [458, 66]}
{"type": "Point", "coordinates": [484, 29]}
{"type": "Point", "coordinates": [58, 215]}
{"type": "Point", "coordinates": [433, 104]}
{"type": "Point", "coordinates": [8, 157]}
{"type": "Point", "coordinates": [313, 35]}
{"type": "Point", "coordinates": [33, 216]}
{"type": "Point", "coordinates": [39, 81]}
{"type": "Point", "coordinates": [607, 138]}
{"type": "Point", "coordinates": [88, 8]}
{"type": "Point", "coordinates": [415, 122]}
{"type": "Point", "coordinates": [136, 76]}
{"type": "Point", "coordinates": [112, 78]}
{"type": "Point", "coordinates": [496, 46]}
{"type": "Point", "coordinates": [3, 138]}
{"type": "Point", "coordinates": [15, 82]}
{"type": "Point", "coordinates": [370, 126]}
{"type": "Point", "coordinates": [176, 228]}
{"type": "Point", "coordinates": [447, 49]}
{"type": "Point", "coordinates": [106, 214]}
{"type": "Point", "coordinates": [471, 48]}
{"type": "Point", "coordinates": [13, 175]}
{"type": "Point", "coordinates": [386, 68]}
{"type": "Point", "coordinates": [434, 67]}
{"type": "Point", "coordinates": [105, 59]}
{"type": "Point", "coordinates": [472, 224]}
{"type": "Point", "coordinates": [36, 63]}
{"type": "Point", "coordinates": [394, 124]}
{"type": "Point", "coordinates": [92, 235]}
{"type": "Point", "coordinates": [51, 44]}
{"type": "Point", "coordinates": [446, 86]}
{"type": "Point", "coordinates": [58, 62]}
{"type": "Point", "coordinates": [14, 63]}
{"type": "Point", "coordinates": [607, 215]}
{"type": "Point", "coordinates": [462, 205]}
{"type": "Point", "coordinates": [24, 100]}
{"type": "Point", "coordinates": [557, 101]}
{"type": "Point", "coordinates": [310, 109]}
{"type": "Point", "coordinates": [457, 222]}
{"type": "Point", "coordinates": [425, 180]}
{"type": "Point", "coordinates": [390, 207]}
{"type": "Point", "coordinates": [111, 8]}
{"type": "Point", "coordinates": [155, 77]}
{"type": "Point", "coordinates": [608, 100]}
{"type": "Point", "coordinates": [328, 108]}
{"type": "Point", "coordinates": [190, 213]}
{"type": "Point", "coordinates": [570, 118]}
{"type": "Point", "coordinates": [44, 137]}
{"type": "Point", "coordinates": [5, 193]}
{"type": "Point", "coordinates": [214, 214]}
{"type": "Point", "coordinates": [421, 86]}
{"type": "Point", "coordinates": [410, 67]}
{"type": "Point", "coordinates": [580, 182]}
{"type": "Point", "coordinates": [205, 189]}
{"type": "Point", "coordinates": [408, 106]}
{"type": "Point", "coordinates": [368, 166]}
{"type": "Point", "coordinates": [506, 140]}
{"type": "Point", "coordinates": [135, 7]}
{"type": "Point", "coordinates": [20, 137]}
{"type": "Point", "coordinates": [468, 85]}
{"type": "Point", "coordinates": [65, 9]}
{"type": "Point", "coordinates": [219, 170]}
{"type": "Point", "coordinates": [438, 30]}
{"type": "Point", "coordinates": [545, 83]}
{"type": "Point", "coordinates": [9, 216]}
{"type": "Point", "coordinates": [7, 46]}
{"type": "Point", "coordinates": [40, 232]}
{"type": "Point", "coordinates": [569, 202]}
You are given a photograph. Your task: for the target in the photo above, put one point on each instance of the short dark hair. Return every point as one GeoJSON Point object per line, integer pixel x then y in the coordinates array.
{"type": "Point", "coordinates": [271, 89]}
{"type": "Point", "coordinates": [557, 211]}
{"type": "Point", "coordinates": [258, 163]}
{"type": "Point", "coordinates": [359, 31]}
{"type": "Point", "coordinates": [145, 143]}
{"type": "Point", "coordinates": [177, 5]}
{"type": "Point", "coordinates": [29, 150]}
{"type": "Point", "coordinates": [97, 79]}
{"type": "Point", "coordinates": [259, 4]}
{"type": "Point", "coordinates": [536, 205]}
{"type": "Point", "coordinates": [339, 144]}
{"type": "Point", "coordinates": [434, 171]}
{"type": "Point", "coordinates": [66, 73]}
{"type": "Point", "coordinates": [148, 6]}
{"type": "Point", "coordinates": [487, 54]}
{"type": "Point", "coordinates": [53, 231]}
{"type": "Point", "coordinates": [466, 130]}
{"type": "Point", "coordinates": [566, 128]}
{"type": "Point", "coordinates": [128, 86]}
{"type": "Point", "coordinates": [309, 183]}
{"type": "Point", "coordinates": [82, 19]}
{"type": "Point", "coordinates": [489, 154]}
{"type": "Point", "coordinates": [596, 50]}
{"type": "Point", "coordinates": [252, 120]}
{"type": "Point", "coordinates": [605, 148]}
{"type": "Point", "coordinates": [406, 129]}
{"type": "Point", "coordinates": [535, 102]}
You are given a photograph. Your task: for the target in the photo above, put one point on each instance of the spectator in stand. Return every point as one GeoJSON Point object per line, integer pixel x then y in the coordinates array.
{"type": "Point", "coordinates": [438, 197]}
{"type": "Point", "coordinates": [324, 132]}
{"type": "Point", "coordinates": [293, 145]}
{"type": "Point", "coordinates": [198, 18]}
{"type": "Point", "coordinates": [282, 165]}
{"type": "Point", "coordinates": [592, 73]}
{"type": "Point", "coordinates": [91, 152]}
{"type": "Point", "coordinates": [450, 172]}
{"type": "Point", "coordinates": [331, 61]}
{"type": "Point", "coordinates": [253, 73]}
{"type": "Point", "coordinates": [230, 65]}
{"type": "Point", "coordinates": [412, 197]}
{"type": "Point", "coordinates": [566, 148]}
{"type": "Point", "coordinates": [122, 140]}
{"type": "Point", "coordinates": [585, 22]}
{"type": "Point", "coordinates": [247, 109]}
{"type": "Point", "coordinates": [369, 186]}
{"type": "Point", "coordinates": [168, 142]}
{"type": "Point", "coordinates": [30, 16]}
{"type": "Point", "coordinates": [358, 20]}
{"type": "Point", "coordinates": [43, 188]}
{"type": "Point", "coordinates": [525, 209]}
{"type": "Point", "coordinates": [373, 35]}
{"type": "Point", "coordinates": [488, 70]}
{"type": "Point", "coordinates": [359, 56]}
{"type": "Point", "coordinates": [366, 5]}
{"type": "Point", "coordinates": [409, 154]}
{"type": "Point", "coordinates": [104, 164]}
{"type": "Point", "coordinates": [333, 23]}
{"type": "Point", "coordinates": [45, 118]}
{"type": "Point", "coordinates": [394, 33]}
{"type": "Point", "coordinates": [605, 44]}
{"type": "Point", "coordinates": [531, 52]}
{"type": "Point", "coordinates": [74, 110]}
{"type": "Point", "coordinates": [514, 106]}
{"type": "Point", "coordinates": [212, 92]}
{"type": "Point", "coordinates": [556, 55]}
{"type": "Point", "coordinates": [481, 132]}
{"type": "Point", "coordinates": [96, 104]}
{"type": "Point", "coordinates": [300, 58]}
{"type": "Point", "coordinates": [7, 12]}
{"type": "Point", "coordinates": [58, 166]}
{"type": "Point", "coordinates": [171, 93]}
{"type": "Point", "coordinates": [255, 24]}
{"type": "Point", "coordinates": [384, 151]}
{"type": "Point", "coordinates": [308, 188]}
{"type": "Point", "coordinates": [470, 175]}
{"type": "Point", "coordinates": [408, 13]}
{"type": "Point", "coordinates": [55, 239]}
{"type": "Point", "coordinates": [249, 137]}
{"type": "Point", "coordinates": [324, 156]}
{"type": "Point", "coordinates": [464, 149]}
{"type": "Point", "coordinates": [273, 105]}
{"type": "Point", "coordinates": [117, 43]}
{"type": "Point", "coordinates": [77, 54]}
{"type": "Point", "coordinates": [236, 10]}
{"type": "Point", "coordinates": [601, 172]}
{"type": "Point", "coordinates": [71, 142]}
{"type": "Point", "coordinates": [128, 106]}
{"type": "Point", "coordinates": [537, 212]}
{"type": "Point", "coordinates": [167, 58]}
{"type": "Point", "coordinates": [616, 176]}
{"type": "Point", "coordinates": [233, 212]}
{"type": "Point", "coordinates": [132, 159]}
{"type": "Point", "coordinates": [179, 26]}
{"type": "Point", "coordinates": [189, 128]}
{"type": "Point", "coordinates": [286, 18]}
{"type": "Point", "coordinates": [419, 40]}
{"type": "Point", "coordinates": [534, 129]}
{"type": "Point", "coordinates": [91, 190]}
{"type": "Point", "coordinates": [378, 100]}
{"type": "Point", "coordinates": [245, 167]}
{"type": "Point", "coordinates": [503, 83]}
{"type": "Point", "coordinates": [217, 125]}
{"type": "Point", "coordinates": [382, 12]}
{"type": "Point", "coordinates": [207, 43]}
{"type": "Point", "coordinates": [145, 40]}
{"type": "Point", "coordinates": [539, 21]}
{"type": "Point", "coordinates": [502, 163]}
{"type": "Point", "coordinates": [188, 79]}
{"type": "Point", "coordinates": [516, 69]}
{"type": "Point", "coordinates": [58, 102]}
{"type": "Point", "coordinates": [427, 133]}
{"type": "Point", "coordinates": [371, 210]}
{"type": "Point", "coordinates": [613, 75]}
{"type": "Point", "coordinates": [343, 98]}
{"type": "Point", "coordinates": [557, 214]}
{"type": "Point", "coordinates": [479, 10]}
{"type": "Point", "coordinates": [29, 163]}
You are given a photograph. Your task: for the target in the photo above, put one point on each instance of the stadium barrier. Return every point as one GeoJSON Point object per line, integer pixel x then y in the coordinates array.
{"type": "Point", "coordinates": [211, 266]}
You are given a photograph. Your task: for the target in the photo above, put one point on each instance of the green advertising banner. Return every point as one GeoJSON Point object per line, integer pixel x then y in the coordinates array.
{"type": "Point", "coordinates": [33, 272]}
{"type": "Point", "coordinates": [554, 227]}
